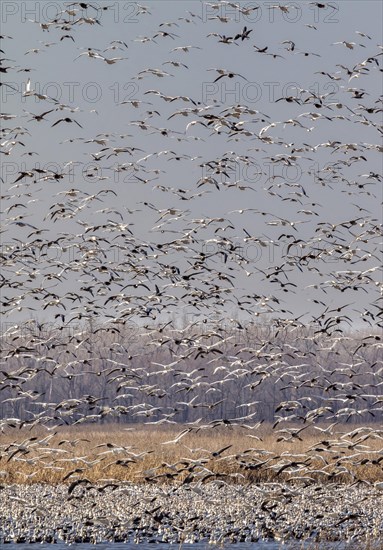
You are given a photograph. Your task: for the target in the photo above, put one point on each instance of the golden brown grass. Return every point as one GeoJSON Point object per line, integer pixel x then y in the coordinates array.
{"type": "Point", "coordinates": [112, 452]}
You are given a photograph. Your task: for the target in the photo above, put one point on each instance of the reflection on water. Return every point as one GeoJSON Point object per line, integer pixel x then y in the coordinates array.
{"type": "Point", "coordinates": [149, 546]}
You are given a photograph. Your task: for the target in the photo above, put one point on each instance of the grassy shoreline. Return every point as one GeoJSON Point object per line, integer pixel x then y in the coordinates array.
{"type": "Point", "coordinates": [152, 454]}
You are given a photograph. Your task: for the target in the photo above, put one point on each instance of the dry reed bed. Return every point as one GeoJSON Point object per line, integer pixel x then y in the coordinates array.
{"type": "Point", "coordinates": [139, 453]}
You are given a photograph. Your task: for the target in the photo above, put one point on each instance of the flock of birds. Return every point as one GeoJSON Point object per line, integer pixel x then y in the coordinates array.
{"type": "Point", "coordinates": [211, 266]}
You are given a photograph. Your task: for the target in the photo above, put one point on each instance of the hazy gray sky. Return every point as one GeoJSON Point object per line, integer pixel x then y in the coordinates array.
{"type": "Point", "coordinates": [91, 91]}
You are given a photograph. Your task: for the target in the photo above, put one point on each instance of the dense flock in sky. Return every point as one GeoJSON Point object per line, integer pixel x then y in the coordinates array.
{"type": "Point", "coordinates": [191, 219]}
